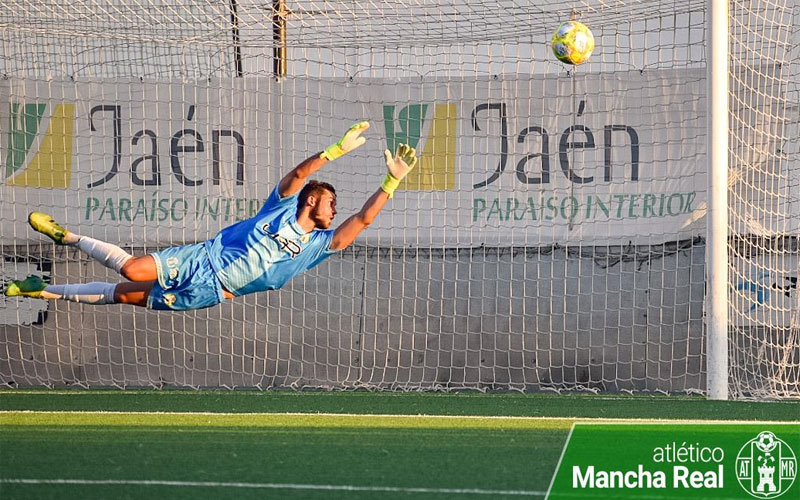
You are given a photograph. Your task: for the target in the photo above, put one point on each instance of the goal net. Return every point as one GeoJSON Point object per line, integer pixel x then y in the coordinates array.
{"type": "Point", "coordinates": [764, 199]}
{"type": "Point", "coordinates": [551, 238]}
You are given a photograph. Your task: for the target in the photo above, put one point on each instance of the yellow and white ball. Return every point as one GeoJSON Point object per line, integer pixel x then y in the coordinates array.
{"type": "Point", "coordinates": [573, 42]}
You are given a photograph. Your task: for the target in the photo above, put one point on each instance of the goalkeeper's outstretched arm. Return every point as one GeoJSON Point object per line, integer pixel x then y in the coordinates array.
{"type": "Point", "coordinates": [294, 180]}
{"type": "Point", "coordinates": [399, 165]}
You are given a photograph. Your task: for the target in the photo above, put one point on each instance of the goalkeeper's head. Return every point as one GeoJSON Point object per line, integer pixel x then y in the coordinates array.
{"type": "Point", "coordinates": [320, 198]}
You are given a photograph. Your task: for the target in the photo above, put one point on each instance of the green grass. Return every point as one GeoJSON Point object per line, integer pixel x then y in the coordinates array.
{"type": "Point", "coordinates": [398, 403]}
{"type": "Point", "coordinates": [326, 454]}
{"type": "Point", "coordinates": [354, 445]}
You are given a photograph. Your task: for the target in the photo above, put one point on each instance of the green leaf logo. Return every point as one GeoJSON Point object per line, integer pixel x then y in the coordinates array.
{"type": "Point", "coordinates": [437, 155]}
{"type": "Point", "coordinates": [50, 165]}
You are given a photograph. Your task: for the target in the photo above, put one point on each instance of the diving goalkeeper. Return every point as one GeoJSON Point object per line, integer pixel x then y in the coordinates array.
{"type": "Point", "coordinates": [290, 234]}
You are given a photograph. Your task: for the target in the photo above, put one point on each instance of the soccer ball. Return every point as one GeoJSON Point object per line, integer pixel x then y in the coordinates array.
{"type": "Point", "coordinates": [573, 42]}
{"type": "Point", "coordinates": [766, 442]}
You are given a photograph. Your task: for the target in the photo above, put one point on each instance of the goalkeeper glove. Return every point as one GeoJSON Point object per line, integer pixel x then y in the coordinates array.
{"type": "Point", "coordinates": [404, 161]}
{"type": "Point", "coordinates": [349, 142]}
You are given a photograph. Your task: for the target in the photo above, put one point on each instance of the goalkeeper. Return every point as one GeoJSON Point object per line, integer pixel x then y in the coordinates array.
{"type": "Point", "coordinates": [289, 235]}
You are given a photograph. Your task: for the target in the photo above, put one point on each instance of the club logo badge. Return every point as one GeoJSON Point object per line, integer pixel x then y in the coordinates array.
{"type": "Point", "coordinates": [766, 466]}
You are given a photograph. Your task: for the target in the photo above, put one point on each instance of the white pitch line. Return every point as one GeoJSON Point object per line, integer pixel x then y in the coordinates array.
{"type": "Point", "coordinates": [274, 486]}
{"type": "Point", "coordinates": [415, 416]}
{"type": "Point", "coordinates": [560, 459]}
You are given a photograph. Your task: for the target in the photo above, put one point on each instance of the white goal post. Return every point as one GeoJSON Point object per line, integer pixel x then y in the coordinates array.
{"type": "Point", "coordinates": [627, 225]}
{"type": "Point", "coordinates": [717, 241]}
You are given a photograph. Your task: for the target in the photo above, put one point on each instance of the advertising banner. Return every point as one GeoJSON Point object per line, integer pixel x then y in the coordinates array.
{"type": "Point", "coordinates": [597, 158]}
{"type": "Point", "coordinates": [678, 460]}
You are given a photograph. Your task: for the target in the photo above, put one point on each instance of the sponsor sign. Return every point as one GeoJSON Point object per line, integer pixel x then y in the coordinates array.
{"type": "Point", "coordinates": [672, 460]}
{"type": "Point", "coordinates": [598, 158]}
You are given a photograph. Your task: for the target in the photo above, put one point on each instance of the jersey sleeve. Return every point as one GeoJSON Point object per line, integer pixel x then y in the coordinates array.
{"type": "Point", "coordinates": [321, 248]}
{"type": "Point", "coordinates": [275, 203]}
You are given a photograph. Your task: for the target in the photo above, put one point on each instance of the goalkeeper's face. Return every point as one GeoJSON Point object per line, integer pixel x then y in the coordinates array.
{"type": "Point", "coordinates": [324, 210]}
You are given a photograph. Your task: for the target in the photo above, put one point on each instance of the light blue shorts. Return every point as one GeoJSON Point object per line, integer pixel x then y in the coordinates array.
{"type": "Point", "coordinates": [185, 280]}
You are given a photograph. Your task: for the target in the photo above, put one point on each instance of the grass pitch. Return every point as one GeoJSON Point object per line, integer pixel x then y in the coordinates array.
{"type": "Point", "coordinates": [247, 444]}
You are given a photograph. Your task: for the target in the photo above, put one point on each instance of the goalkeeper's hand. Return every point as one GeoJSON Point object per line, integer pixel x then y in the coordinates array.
{"type": "Point", "coordinates": [352, 139]}
{"type": "Point", "coordinates": [399, 165]}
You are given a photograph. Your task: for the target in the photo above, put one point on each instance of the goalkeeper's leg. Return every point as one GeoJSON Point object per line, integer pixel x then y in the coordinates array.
{"type": "Point", "coordinates": [108, 254]}
{"type": "Point", "coordinates": [83, 293]}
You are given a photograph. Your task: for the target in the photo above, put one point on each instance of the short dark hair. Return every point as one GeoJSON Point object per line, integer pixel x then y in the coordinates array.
{"type": "Point", "coordinates": [315, 188]}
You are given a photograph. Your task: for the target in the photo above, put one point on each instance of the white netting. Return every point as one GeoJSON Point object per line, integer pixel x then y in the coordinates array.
{"type": "Point", "coordinates": [764, 199]}
{"type": "Point", "coordinates": [552, 237]}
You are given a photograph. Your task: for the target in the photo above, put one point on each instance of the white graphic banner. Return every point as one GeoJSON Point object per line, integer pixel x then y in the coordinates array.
{"type": "Point", "coordinates": [592, 159]}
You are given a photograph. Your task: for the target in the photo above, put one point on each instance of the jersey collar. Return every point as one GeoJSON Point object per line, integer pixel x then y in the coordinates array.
{"type": "Point", "coordinates": [292, 223]}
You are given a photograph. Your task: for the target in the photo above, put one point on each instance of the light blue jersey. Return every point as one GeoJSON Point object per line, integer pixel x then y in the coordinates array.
{"type": "Point", "coordinates": [186, 280]}
{"type": "Point", "coordinates": [265, 252]}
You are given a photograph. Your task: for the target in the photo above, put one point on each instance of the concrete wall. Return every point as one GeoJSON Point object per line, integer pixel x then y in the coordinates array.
{"type": "Point", "coordinates": [611, 319]}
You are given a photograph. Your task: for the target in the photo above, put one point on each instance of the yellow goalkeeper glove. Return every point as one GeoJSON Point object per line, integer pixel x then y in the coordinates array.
{"type": "Point", "coordinates": [352, 139]}
{"type": "Point", "coordinates": [403, 162]}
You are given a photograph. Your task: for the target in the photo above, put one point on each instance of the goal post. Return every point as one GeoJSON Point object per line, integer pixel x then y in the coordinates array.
{"type": "Point", "coordinates": [627, 225]}
{"type": "Point", "coordinates": [717, 241]}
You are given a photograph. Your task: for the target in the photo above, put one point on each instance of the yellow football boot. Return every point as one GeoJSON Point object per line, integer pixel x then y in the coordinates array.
{"type": "Point", "coordinates": [45, 224]}
{"type": "Point", "coordinates": [32, 286]}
